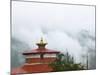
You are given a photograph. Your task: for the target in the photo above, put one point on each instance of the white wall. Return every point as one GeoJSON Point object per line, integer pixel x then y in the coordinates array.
{"type": "Point", "coordinates": [38, 56]}
{"type": "Point", "coordinates": [49, 55]}
{"type": "Point", "coordinates": [32, 56]}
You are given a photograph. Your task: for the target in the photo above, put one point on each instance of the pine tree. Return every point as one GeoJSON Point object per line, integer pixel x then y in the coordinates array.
{"type": "Point", "coordinates": [65, 62]}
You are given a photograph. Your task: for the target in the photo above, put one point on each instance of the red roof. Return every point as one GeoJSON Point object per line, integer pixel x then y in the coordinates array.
{"type": "Point", "coordinates": [39, 51]}
{"type": "Point", "coordinates": [27, 69]}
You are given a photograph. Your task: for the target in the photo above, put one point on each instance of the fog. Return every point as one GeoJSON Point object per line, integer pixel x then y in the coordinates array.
{"type": "Point", "coordinates": [64, 27]}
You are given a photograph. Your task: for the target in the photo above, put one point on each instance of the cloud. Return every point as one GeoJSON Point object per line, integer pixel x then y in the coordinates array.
{"type": "Point", "coordinates": [60, 25]}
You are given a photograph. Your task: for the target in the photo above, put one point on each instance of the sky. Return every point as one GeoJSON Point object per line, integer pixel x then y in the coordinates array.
{"type": "Point", "coordinates": [64, 27]}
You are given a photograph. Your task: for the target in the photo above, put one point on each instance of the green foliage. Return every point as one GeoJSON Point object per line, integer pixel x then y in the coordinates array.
{"type": "Point", "coordinates": [65, 63]}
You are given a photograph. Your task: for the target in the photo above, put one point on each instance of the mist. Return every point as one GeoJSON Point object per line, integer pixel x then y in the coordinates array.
{"type": "Point", "coordinates": [64, 27]}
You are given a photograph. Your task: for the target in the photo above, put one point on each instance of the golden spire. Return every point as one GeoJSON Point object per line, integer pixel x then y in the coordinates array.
{"type": "Point", "coordinates": [41, 41]}
{"type": "Point", "coordinates": [41, 44]}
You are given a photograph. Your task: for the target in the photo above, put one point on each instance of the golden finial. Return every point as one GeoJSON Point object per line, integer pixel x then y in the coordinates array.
{"type": "Point", "coordinates": [41, 41]}
{"type": "Point", "coordinates": [41, 44]}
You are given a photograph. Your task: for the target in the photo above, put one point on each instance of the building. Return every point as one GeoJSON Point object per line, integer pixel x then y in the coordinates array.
{"type": "Point", "coordinates": [37, 60]}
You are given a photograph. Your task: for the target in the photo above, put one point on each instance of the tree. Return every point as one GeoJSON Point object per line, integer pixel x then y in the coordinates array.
{"type": "Point", "coordinates": [65, 63]}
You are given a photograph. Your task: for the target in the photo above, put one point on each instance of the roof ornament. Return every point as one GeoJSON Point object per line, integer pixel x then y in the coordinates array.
{"type": "Point", "coordinates": [41, 44]}
{"type": "Point", "coordinates": [41, 41]}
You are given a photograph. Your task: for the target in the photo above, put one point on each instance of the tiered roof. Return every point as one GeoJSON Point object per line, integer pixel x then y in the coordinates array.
{"type": "Point", "coordinates": [41, 49]}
